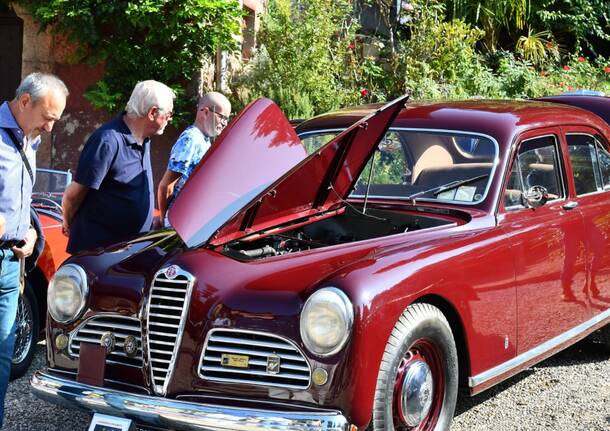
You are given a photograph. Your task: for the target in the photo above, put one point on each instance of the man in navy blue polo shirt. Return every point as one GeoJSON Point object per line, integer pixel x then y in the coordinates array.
{"type": "Point", "coordinates": [111, 196]}
{"type": "Point", "coordinates": [39, 101]}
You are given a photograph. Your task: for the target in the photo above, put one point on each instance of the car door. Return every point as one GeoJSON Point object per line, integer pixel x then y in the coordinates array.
{"type": "Point", "coordinates": [548, 243]}
{"type": "Point", "coordinates": [589, 155]}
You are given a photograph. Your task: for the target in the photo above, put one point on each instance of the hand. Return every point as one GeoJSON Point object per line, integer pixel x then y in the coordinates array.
{"type": "Point", "coordinates": [27, 248]}
{"type": "Point", "coordinates": [2, 225]}
{"type": "Point", "coordinates": [156, 223]}
{"type": "Point", "coordinates": [65, 227]}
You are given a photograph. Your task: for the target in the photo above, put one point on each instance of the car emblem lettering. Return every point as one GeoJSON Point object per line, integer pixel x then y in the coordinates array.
{"type": "Point", "coordinates": [273, 364]}
{"type": "Point", "coordinates": [235, 361]}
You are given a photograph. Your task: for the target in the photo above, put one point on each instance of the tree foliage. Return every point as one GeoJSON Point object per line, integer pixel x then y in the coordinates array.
{"type": "Point", "coordinates": [301, 62]}
{"type": "Point", "coordinates": [141, 39]}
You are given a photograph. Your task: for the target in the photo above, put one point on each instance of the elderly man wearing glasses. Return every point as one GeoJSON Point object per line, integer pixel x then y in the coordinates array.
{"type": "Point", "coordinates": [112, 195]}
{"type": "Point", "coordinates": [213, 110]}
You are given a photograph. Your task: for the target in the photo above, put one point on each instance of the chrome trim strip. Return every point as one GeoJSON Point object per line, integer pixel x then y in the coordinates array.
{"type": "Point", "coordinates": [301, 357]}
{"type": "Point", "coordinates": [523, 358]}
{"type": "Point", "coordinates": [190, 282]}
{"type": "Point", "coordinates": [184, 415]}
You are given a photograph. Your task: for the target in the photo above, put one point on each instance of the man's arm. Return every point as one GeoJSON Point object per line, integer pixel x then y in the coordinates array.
{"type": "Point", "coordinates": [71, 202]}
{"type": "Point", "coordinates": [165, 190]}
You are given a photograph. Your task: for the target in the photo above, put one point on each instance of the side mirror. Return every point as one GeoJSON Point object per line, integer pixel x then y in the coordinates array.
{"type": "Point", "coordinates": [535, 196]}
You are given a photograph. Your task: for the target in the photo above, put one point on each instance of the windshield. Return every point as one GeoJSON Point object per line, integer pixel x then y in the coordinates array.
{"type": "Point", "coordinates": [424, 165]}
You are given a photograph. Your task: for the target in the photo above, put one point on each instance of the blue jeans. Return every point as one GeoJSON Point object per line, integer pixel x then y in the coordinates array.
{"type": "Point", "coordinates": [9, 297]}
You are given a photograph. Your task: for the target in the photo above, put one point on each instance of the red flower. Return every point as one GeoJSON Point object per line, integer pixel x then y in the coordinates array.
{"type": "Point", "coordinates": [562, 83]}
{"type": "Point", "coordinates": [607, 69]}
{"type": "Point", "coordinates": [351, 46]}
{"type": "Point", "coordinates": [581, 59]}
{"type": "Point", "coordinates": [570, 88]}
{"type": "Point", "coordinates": [566, 67]}
{"type": "Point", "coordinates": [364, 92]}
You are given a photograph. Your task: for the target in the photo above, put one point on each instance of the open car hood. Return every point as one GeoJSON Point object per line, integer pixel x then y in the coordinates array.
{"type": "Point", "coordinates": [258, 176]}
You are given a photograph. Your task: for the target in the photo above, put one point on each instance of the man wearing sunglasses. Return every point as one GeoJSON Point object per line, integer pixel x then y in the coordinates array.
{"type": "Point", "coordinates": [112, 195]}
{"type": "Point", "coordinates": [213, 111]}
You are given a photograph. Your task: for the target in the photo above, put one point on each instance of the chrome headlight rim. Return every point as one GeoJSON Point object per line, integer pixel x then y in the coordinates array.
{"type": "Point", "coordinates": [348, 315]}
{"type": "Point", "coordinates": [83, 288]}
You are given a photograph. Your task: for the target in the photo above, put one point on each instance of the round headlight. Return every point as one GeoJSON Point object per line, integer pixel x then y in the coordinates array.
{"type": "Point", "coordinates": [67, 293]}
{"type": "Point", "coordinates": [326, 321]}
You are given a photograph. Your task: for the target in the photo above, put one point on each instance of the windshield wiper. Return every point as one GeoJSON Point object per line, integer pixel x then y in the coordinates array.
{"type": "Point", "coordinates": [442, 188]}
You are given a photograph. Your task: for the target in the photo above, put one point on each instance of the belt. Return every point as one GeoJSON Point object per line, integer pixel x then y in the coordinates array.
{"type": "Point", "coordinates": [9, 243]}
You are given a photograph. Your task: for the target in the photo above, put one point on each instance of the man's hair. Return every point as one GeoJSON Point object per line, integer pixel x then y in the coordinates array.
{"type": "Point", "coordinates": [38, 84]}
{"type": "Point", "coordinates": [149, 94]}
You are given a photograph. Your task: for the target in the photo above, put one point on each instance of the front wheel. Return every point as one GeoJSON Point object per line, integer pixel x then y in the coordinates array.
{"type": "Point", "coordinates": [418, 376]}
{"type": "Point", "coordinates": [27, 328]}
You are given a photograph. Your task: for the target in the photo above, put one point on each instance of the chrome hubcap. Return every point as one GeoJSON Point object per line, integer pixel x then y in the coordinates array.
{"type": "Point", "coordinates": [416, 393]}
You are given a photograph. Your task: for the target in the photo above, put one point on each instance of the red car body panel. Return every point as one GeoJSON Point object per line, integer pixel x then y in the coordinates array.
{"type": "Point", "coordinates": [55, 245]}
{"type": "Point", "coordinates": [507, 282]}
{"type": "Point", "coordinates": [257, 147]}
{"type": "Point", "coordinates": [319, 183]}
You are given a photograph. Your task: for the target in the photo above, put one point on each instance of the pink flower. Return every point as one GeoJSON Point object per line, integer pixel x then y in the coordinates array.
{"type": "Point", "coordinates": [351, 46]}
{"type": "Point", "coordinates": [408, 7]}
{"type": "Point", "coordinates": [566, 67]}
{"type": "Point", "coordinates": [364, 92]}
{"type": "Point", "coordinates": [607, 69]}
{"type": "Point", "coordinates": [581, 59]}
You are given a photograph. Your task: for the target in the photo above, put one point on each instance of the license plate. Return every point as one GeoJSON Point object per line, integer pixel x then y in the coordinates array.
{"type": "Point", "coordinates": [110, 423]}
{"type": "Point", "coordinates": [237, 361]}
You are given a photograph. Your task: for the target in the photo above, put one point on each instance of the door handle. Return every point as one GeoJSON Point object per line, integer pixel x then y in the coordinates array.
{"type": "Point", "coordinates": [570, 205]}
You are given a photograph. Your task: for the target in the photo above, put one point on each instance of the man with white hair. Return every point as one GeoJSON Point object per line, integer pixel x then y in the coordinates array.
{"type": "Point", "coordinates": [112, 194]}
{"type": "Point", "coordinates": [213, 111]}
{"type": "Point", "coordinates": [39, 102]}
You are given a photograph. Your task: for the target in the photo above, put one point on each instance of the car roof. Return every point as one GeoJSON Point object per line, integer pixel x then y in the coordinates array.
{"type": "Point", "coordinates": [501, 119]}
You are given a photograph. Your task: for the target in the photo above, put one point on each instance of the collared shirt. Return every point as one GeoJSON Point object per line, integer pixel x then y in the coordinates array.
{"type": "Point", "coordinates": [120, 200]}
{"type": "Point", "coordinates": [186, 154]}
{"type": "Point", "coordinates": [15, 182]}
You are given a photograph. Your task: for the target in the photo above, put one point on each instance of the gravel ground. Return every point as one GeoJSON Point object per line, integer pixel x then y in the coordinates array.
{"type": "Point", "coordinates": [569, 391]}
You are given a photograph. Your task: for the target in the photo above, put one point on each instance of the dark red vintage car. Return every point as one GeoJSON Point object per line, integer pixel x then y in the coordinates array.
{"type": "Point", "coordinates": [32, 308]}
{"type": "Point", "coordinates": [353, 277]}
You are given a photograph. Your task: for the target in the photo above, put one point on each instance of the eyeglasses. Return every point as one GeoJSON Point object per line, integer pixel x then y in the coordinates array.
{"type": "Point", "coordinates": [224, 119]}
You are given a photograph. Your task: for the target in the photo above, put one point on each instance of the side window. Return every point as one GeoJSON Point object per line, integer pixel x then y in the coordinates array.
{"type": "Point", "coordinates": [603, 157]}
{"type": "Point", "coordinates": [537, 164]}
{"type": "Point", "coordinates": [583, 156]}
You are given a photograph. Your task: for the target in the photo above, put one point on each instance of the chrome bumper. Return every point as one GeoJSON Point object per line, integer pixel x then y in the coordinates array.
{"type": "Point", "coordinates": [181, 415]}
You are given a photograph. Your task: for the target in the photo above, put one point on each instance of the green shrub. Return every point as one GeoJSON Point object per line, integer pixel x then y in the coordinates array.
{"type": "Point", "coordinates": [303, 62]}
{"type": "Point", "coordinates": [137, 40]}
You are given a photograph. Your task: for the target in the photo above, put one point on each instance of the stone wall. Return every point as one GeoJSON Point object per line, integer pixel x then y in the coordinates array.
{"type": "Point", "coordinates": [51, 53]}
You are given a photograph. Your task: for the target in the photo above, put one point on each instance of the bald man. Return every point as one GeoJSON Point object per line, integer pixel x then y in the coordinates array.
{"type": "Point", "coordinates": [213, 111]}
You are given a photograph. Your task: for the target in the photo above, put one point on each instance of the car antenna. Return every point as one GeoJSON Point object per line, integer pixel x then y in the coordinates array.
{"type": "Point", "coordinates": [368, 185]}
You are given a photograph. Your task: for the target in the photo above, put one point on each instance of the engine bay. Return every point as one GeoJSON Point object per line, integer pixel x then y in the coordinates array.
{"type": "Point", "coordinates": [350, 226]}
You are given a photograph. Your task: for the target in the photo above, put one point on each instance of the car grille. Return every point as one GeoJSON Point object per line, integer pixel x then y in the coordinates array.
{"type": "Point", "coordinates": [260, 348]}
{"type": "Point", "coordinates": [121, 327]}
{"type": "Point", "coordinates": [168, 304]}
